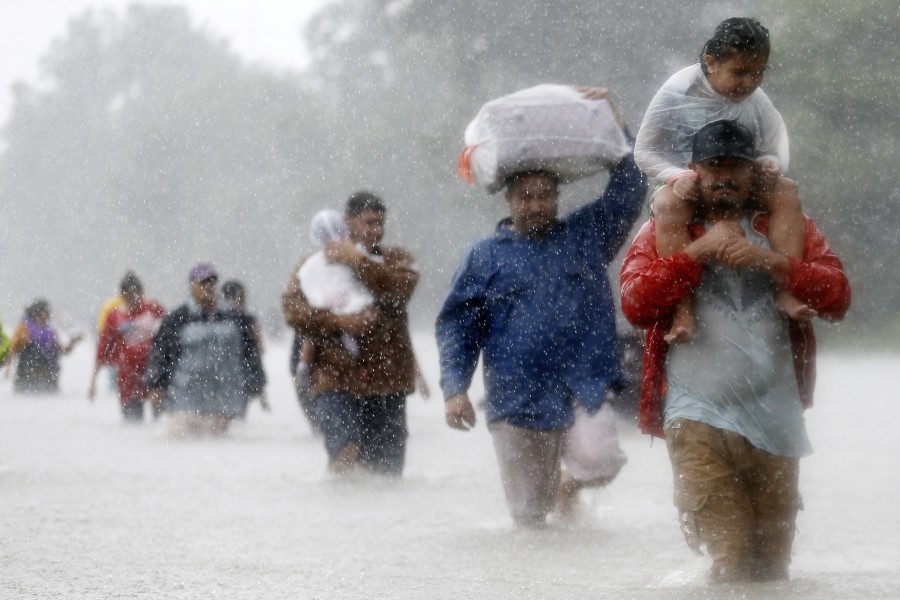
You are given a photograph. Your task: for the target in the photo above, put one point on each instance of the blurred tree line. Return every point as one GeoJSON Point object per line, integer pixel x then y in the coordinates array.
{"type": "Point", "coordinates": [149, 145]}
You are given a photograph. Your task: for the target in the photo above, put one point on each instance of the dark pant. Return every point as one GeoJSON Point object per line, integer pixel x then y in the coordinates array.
{"type": "Point", "coordinates": [377, 424]}
{"type": "Point", "coordinates": [133, 412]}
{"type": "Point", "coordinates": [307, 402]}
{"type": "Point", "coordinates": [36, 381]}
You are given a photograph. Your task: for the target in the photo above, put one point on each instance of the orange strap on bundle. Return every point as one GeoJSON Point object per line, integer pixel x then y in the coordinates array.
{"type": "Point", "coordinates": [464, 166]}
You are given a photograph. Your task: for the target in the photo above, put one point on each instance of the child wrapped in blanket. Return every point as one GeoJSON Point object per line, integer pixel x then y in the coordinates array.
{"type": "Point", "coordinates": [328, 285]}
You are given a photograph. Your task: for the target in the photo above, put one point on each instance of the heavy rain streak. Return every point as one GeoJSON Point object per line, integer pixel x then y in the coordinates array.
{"type": "Point", "coordinates": [180, 415]}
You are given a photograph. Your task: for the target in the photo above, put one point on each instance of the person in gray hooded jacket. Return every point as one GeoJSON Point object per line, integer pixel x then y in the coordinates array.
{"type": "Point", "coordinates": [205, 361]}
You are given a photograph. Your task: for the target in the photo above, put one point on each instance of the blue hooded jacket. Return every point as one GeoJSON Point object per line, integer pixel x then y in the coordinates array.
{"type": "Point", "coordinates": [541, 312]}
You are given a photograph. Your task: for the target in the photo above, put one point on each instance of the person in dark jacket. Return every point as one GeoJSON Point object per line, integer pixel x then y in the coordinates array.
{"type": "Point", "coordinates": [534, 301]}
{"type": "Point", "coordinates": [36, 348]}
{"type": "Point", "coordinates": [235, 295]}
{"type": "Point", "coordinates": [205, 361]}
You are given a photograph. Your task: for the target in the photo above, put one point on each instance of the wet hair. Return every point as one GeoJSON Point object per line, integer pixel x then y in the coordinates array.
{"type": "Point", "coordinates": [360, 202]}
{"type": "Point", "coordinates": [511, 180]}
{"type": "Point", "coordinates": [130, 283]}
{"type": "Point", "coordinates": [36, 308]}
{"type": "Point", "coordinates": [737, 35]}
{"type": "Point", "coordinates": [231, 289]}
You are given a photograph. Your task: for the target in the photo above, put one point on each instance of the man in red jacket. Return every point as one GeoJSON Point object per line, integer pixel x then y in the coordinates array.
{"type": "Point", "coordinates": [125, 343]}
{"type": "Point", "coordinates": [730, 401]}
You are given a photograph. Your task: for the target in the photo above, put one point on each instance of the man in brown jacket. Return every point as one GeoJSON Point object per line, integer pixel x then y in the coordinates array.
{"type": "Point", "coordinates": [361, 395]}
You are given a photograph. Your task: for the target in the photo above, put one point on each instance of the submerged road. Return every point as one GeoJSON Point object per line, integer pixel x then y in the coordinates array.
{"type": "Point", "coordinates": [92, 508]}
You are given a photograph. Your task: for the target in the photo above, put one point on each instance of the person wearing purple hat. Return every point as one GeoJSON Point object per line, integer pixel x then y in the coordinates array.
{"type": "Point", "coordinates": [205, 361]}
{"type": "Point", "coordinates": [201, 272]}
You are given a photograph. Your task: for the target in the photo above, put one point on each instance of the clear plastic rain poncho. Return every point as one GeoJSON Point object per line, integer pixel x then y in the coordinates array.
{"type": "Point", "coordinates": [547, 127]}
{"type": "Point", "coordinates": [683, 105]}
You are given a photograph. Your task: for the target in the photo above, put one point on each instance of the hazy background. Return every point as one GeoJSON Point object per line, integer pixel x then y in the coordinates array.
{"type": "Point", "coordinates": [150, 135]}
{"type": "Point", "coordinates": [261, 31]}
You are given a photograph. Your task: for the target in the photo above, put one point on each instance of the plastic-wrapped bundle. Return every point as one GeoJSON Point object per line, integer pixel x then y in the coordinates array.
{"type": "Point", "coordinates": [592, 448]}
{"type": "Point", "coordinates": [327, 226]}
{"type": "Point", "coordinates": [547, 127]}
{"type": "Point", "coordinates": [326, 285]}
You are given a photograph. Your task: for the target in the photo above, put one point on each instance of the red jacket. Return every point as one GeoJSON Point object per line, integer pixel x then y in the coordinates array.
{"type": "Point", "coordinates": [653, 286]}
{"type": "Point", "coordinates": [125, 343]}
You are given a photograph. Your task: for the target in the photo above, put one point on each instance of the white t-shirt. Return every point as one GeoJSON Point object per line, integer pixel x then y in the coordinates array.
{"type": "Point", "coordinates": [738, 373]}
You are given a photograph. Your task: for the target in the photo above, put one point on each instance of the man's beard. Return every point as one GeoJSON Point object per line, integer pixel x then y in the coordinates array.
{"type": "Point", "coordinates": [729, 200]}
{"type": "Point", "coordinates": [539, 221]}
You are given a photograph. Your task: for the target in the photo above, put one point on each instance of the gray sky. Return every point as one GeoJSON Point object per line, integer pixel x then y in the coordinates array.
{"type": "Point", "coordinates": [260, 30]}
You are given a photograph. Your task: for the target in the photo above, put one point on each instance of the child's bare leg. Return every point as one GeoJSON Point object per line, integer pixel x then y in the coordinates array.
{"type": "Point", "coordinates": [672, 215]}
{"type": "Point", "coordinates": [787, 229]}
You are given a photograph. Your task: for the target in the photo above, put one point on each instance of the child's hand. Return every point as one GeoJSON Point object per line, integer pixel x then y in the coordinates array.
{"type": "Point", "coordinates": [686, 188]}
{"type": "Point", "coordinates": [768, 173]}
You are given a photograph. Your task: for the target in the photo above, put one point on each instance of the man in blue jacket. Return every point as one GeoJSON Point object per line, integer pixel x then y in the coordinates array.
{"type": "Point", "coordinates": [534, 298]}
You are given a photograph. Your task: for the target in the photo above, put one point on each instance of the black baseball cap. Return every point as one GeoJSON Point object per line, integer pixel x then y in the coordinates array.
{"type": "Point", "coordinates": [722, 138]}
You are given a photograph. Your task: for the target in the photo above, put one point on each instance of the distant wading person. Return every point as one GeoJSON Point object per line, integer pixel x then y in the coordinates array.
{"type": "Point", "coordinates": [36, 349]}
{"type": "Point", "coordinates": [235, 295]}
{"type": "Point", "coordinates": [125, 343]}
{"type": "Point", "coordinates": [205, 361]}
{"type": "Point", "coordinates": [109, 305]}
{"type": "Point", "coordinates": [730, 402]}
{"type": "Point", "coordinates": [534, 301]}
{"type": "Point", "coordinates": [4, 345]}
{"type": "Point", "coordinates": [362, 368]}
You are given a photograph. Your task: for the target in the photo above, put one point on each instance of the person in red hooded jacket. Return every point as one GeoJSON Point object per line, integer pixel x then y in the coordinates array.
{"type": "Point", "coordinates": [730, 401]}
{"type": "Point", "coordinates": [125, 343]}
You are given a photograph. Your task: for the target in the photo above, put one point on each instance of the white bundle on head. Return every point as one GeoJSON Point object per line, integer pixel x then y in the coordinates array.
{"type": "Point", "coordinates": [548, 128]}
{"type": "Point", "coordinates": [327, 226]}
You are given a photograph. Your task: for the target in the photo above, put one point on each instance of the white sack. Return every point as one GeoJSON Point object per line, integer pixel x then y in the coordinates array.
{"type": "Point", "coordinates": [327, 226]}
{"type": "Point", "coordinates": [546, 127]}
{"type": "Point", "coordinates": [591, 449]}
{"type": "Point", "coordinates": [332, 286]}
{"type": "Point", "coordinates": [326, 285]}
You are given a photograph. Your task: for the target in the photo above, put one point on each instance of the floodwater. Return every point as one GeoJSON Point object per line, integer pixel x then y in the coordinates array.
{"type": "Point", "coordinates": [92, 508]}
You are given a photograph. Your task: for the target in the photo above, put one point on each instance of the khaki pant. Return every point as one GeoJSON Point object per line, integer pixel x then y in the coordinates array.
{"type": "Point", "coordinates": [529, 467]}
{"type": "Point", "coordinates": [738, 500]}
